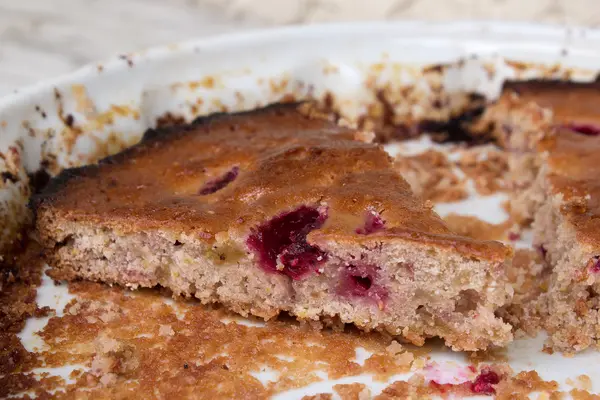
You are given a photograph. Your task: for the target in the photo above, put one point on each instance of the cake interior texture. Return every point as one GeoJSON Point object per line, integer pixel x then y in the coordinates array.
{"type": "Point", "coordinates": [271, 211]}
{"type": "Point", "coordinates": [551, 130]}
{"type": "Point", "coordinates": [567, 230]}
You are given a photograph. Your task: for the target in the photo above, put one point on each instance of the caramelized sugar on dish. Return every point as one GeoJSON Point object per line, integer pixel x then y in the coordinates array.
{"type": "Point", "coordinates": [275, 210]}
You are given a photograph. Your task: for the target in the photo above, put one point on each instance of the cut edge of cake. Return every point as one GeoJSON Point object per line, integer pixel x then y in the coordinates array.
{"type": "Point", "coordinates": [552, 143]}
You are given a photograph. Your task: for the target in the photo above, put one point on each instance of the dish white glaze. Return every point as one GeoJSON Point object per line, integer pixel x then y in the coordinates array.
{"type": "Point", "coordinates": [102, 108]}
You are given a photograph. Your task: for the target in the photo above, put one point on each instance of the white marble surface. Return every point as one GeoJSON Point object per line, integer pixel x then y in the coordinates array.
{"type": "Point", "coordinates": [583, 12]}
{"type": "Point", "coordinates": [44, 38]}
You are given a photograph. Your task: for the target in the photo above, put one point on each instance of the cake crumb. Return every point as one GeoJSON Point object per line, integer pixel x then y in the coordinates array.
{"type": "Point", "coordinates": [431, 175]}
{"type": "Point", "coordinates": [113, 358]}
{"type": "Point", "coordinates": [436, 176]}
{"type": "Point", "coordinates": [166, 330]}
{"type": "Point", "coordinates": [473, 227]}
{"type": "Point", "coordinates": [320, 396]}
{"type": "Point", "coordinates": [353, 391]}
{"type": "Point", "coordinates": [394, 348]}
{"type": "Point", "coordinates": [494, 379]}
{"type": "Point", "coordinates": [397, 390]}
{"type": "Point", "coordinates": [582, 382]}
{"type": "Point", "coordinates": [491, 355]}
{"type": "Point", "coordinates": [579, 394]}
{"type": "Point", "coordinates": [523, 384]}
{"type": "Point", "coordinates": [108, 379]}
{"type": "Point", "coordinates": [487, 167]}
{"type": "Point", "coordinates": [528, 276]}
{"type": "Point", "coordinates": [364, 136]}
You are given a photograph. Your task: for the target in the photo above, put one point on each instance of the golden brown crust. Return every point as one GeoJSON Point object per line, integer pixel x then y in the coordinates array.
{"type": "Point", "coordinates": [285, 160]}
{"type": "Point", "coordinates": [569, 101]}
{"type": "Point", "coordinates": [573, 171]}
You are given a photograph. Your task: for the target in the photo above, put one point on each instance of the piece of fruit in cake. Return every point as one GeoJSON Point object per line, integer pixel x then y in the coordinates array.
{"type": "Point", "coordinates": [485, 382]}
{"type": "Point", "coordinates": [310, 221]}
{"type": "Point", "coordinates": [373, 223]}
{"type": "Point", "coordinates": [361, 281]}
{"type": "Point", "coordinates": [584, 129]}
{"type": "Point", "coordinates": [215, 185]}
{"type": "Point", "coordinates": [281, 245]}
{"type": "Point", "coordinates": [594, 265]}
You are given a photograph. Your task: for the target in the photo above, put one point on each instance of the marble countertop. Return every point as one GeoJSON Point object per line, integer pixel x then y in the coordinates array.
{"type": "Point", "coordinates": [40, 39]}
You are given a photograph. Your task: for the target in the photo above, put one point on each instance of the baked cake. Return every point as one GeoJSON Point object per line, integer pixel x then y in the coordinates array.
{"type": "Point", "coordinates": [552, 131]}
{"type": "Point", "coordinates": [276, 210]}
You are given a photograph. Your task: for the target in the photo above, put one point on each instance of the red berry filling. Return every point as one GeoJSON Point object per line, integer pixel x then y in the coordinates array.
{"type": "Point", "coordinates": [542, 250]}
{"type": "Point", "coordinates": [595, 264]}
{"type": "Point", "coordinates": [361, 281]}
{"type": "Point", "coordinates": [219, 183]}
{"type": "Point", "coordinates": [373, 223]}
{"type": "Point", "coordinates": [512, 236]}
{"type": "Point", "coordinates": [281, 243]}
{"type": "Point", "coordinates": [484, 383]}
{"type": "Point", "coordinates": [584, 129]}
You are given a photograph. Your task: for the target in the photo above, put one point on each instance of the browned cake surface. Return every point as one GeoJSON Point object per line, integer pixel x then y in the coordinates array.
{"type": "Point", "coordinates": [569, 101]}
{"type": "Point", "coordinates": [573, 173]}
{"type": "Point", "coordinates": [294, 161]}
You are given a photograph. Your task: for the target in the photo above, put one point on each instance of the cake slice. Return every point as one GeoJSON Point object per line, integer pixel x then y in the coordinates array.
{"type": "Point", "coordinates": [556, 126]}
{"type": "Point", "coordinates": [566, 229]}
{"type": "Point", "coordinates": [273, 211]}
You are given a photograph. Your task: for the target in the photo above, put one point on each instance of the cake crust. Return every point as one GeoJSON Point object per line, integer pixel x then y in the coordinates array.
{"type": "Point", "coordinates": [560, 97]}
{"type": "Point", "coordinates": [573, 172]}
{"type": "Point", "coordinates": [156, 183]}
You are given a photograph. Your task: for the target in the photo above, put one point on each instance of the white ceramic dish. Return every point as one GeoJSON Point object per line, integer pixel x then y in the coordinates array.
{"type": "Point", "coordinates": [102, 108]}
